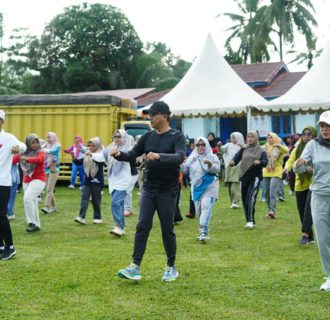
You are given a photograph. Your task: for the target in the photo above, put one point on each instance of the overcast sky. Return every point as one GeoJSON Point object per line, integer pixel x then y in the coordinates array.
{"type": "Point", "coordinates": [182, 25]}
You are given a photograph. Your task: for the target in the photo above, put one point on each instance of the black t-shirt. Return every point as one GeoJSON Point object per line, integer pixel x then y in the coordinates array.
{"type": "Point", "coordinates": [171, 146]}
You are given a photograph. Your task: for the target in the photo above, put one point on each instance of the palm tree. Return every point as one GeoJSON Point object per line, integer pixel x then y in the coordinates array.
{"type": "Point", "coordinates": [283, 16]}
{"type": "Point", "coordinates": [302, 57]}
{"type": "Point", "coordinates": [244, 28]}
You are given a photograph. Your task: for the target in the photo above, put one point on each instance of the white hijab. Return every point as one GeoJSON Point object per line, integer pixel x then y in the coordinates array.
{"type": "Point", "coordinates": [196, 160]}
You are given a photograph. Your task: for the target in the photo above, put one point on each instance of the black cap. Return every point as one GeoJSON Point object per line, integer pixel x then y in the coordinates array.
{"type": "Point", "coordinates": [158, 107]}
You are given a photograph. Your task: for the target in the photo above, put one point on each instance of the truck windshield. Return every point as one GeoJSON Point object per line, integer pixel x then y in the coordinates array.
{"type": "Point", "coordinates": [136, 129]}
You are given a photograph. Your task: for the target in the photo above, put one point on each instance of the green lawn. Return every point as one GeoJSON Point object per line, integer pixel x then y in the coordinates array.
{"type": "Point", "coordinates": [68, 271]}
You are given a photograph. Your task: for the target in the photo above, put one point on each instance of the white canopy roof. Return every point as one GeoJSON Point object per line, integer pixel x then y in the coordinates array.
{"type": "Point", "coordinates": [312, 92]}
{"type": "Point", "coordinates": [211, 87]}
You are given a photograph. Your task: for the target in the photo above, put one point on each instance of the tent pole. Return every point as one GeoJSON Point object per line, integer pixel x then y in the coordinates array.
{"type": "Point", "coordinates": [248, 118]}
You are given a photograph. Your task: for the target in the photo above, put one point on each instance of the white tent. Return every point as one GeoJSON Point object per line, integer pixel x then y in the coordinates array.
{"type": "Point", "coordinates": [211, 88]}
{"type": "Point", "coordinates": [312, 92]}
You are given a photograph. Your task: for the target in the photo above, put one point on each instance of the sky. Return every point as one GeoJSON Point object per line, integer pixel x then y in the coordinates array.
{"type": "Point", "coordinates": [182, 25]}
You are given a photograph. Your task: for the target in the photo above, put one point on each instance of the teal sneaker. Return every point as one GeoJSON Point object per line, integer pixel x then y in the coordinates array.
{"type": "Point", "coordinates": [170, 274]}
{"type": "Point", "coordinates": [132, 272]}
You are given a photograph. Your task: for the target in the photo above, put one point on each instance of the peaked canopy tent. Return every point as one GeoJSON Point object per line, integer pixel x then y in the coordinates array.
{"type": "Point", "coordinates": [311, 93]}
{"type": "Point", "coordinates": [211, 88]}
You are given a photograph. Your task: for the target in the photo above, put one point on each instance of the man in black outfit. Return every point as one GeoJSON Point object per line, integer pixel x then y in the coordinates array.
{"type": "Point", "coordinates": [164, 148]}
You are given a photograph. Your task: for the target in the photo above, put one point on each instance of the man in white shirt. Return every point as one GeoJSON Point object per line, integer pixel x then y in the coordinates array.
{"type": "Point", "coordinates": [8, 146]}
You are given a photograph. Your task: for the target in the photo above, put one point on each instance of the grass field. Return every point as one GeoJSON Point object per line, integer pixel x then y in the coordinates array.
{"type": "Point", "coordinates": [68, 271]}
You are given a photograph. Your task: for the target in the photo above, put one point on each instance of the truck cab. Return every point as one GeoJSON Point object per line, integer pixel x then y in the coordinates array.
{"type": "Point", "coordinates": [136, 126]}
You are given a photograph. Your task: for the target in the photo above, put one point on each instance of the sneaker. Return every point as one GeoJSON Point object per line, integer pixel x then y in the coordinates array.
{"type": "Point", "coordinates": [198, 238]}
{"type": "Point", "coordinates": [311, 240]}
{"type": "Point", "coordinates": [52, 210]}
{"type": "Point", "coordinates": [190, 215]}
{"type": "Point", "coordinates": [71, 186]}
{"type": "Point", "coordinates": [45, 210]}
{"type": "Point", "coordinates": [326, 285]}
{"type": "Point", "coordinates": [270, 214]}
{"type": "Point", "coordinates": [234, 206]}
{"type": "Point", "coordinates": [204, 237]}
{"type": "Point", "coordinates": [11, 217]}
{"type": "Point", "coordinates": [80, 220]}
{"type": "Point", "coordinates": [128, 213]}
{"type": "Point", "coordinates": [97, 221]}
{"type": "Point", "coordinates": [170, 274]}
{"type": "Point", "coordinates": [117, 231]}
{"type": "Point", "coordinates": [32, 228]}
{"type": "Point", "coordinates": [132, 272]}
{"type": "Point", "coordinates": [304, 240]}
{"type": "Point", "coordinates": [249, 225]}
{"type": "Point", "coordinates": [263, 199]}
{"type": "Point", "coordinates": [281, 199]}
{"type": "Point", "coordinates": [8, 253]}
{"type": "Point", "coordinates": [80, 188]}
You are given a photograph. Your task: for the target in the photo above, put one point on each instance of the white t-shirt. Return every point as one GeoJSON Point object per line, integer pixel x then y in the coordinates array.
{"type": "Point", "coordinates": [7, 141]}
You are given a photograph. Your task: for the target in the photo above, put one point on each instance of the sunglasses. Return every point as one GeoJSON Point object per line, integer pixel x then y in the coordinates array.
{"type": "Point", "coordinates": [117, 137]}
{"type": "Point", "coordinates": [154, 114]}
{"type": "Point", "coordinates": [200, 145]}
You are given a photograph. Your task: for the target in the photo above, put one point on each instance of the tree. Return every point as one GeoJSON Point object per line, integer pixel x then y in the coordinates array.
{"type": "Point", "coordinates": [244, 28]}
{"type": "Point", "coordinates": [283, 16]}
{"type": "Point", "coordinates": [95, 42]}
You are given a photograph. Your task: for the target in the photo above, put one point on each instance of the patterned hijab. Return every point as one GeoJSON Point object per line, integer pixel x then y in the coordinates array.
{"type": "Point", "coordinates": [124, 146]}
{"type": "Point", "coordinates": [28, 168]}
{"type": "Point", "coordinates": [199, 157]}
{"type": "Point", "coordinates": [49, 145]}
{"type": "Point", "coordinates": [90, 166]}
{"type": "Point", "coordinates": [272, 152]}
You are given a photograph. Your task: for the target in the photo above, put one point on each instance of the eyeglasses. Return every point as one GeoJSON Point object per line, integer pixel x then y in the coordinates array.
{"type": "Point", "coordinates": [117, 137]}
{"type": "Point", "coordinates": [307, 134]}
{"type": "Point", "coordinates": [200, 145]}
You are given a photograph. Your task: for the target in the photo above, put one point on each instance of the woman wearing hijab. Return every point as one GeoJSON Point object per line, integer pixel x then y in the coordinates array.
{"type": "Point", "coordinates": [203, 167]}
{"type": "Point", "coordinates": [302, 184]}
{"type": "Point", "coordinates": [77, 154]}
{"type": "Point", "coordinates": [52, 149]}
{"type": "Point", "coordinates": [94, 181]}
{"type": "Point", "coordinates": [272, 174]}
{"type": "Point", "coordinates": [119, 178]}
{"type": "Point", "coordinates": [212, 142]}
{"type": "Point", "coordinates": [232, 173]}
{"type": "Point", "coordinates": [34, 180]}
{"type": "Point", "coordinates": [253, 158]}
{"type": "Point", "coordinates": [318, 152]}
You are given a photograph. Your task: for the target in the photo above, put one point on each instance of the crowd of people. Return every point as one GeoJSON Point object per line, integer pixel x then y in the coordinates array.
{"type": "Point", "coordinates": [159, 158]}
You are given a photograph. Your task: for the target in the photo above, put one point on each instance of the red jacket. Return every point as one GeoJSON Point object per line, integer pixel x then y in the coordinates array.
{"type": "Point", "coordinates": [39, 171]}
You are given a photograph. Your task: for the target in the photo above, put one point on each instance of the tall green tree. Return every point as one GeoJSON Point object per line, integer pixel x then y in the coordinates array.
{"type": "Point", "coordinates": [95, 43]}
{"type": "Point", "coordinates": [251, 47]}
{"type": "Point", "coordinates": [283, 17]}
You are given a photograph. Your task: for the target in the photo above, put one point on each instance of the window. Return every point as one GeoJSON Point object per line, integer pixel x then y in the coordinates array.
{"type": "Point", "coordinates": [282, 125]}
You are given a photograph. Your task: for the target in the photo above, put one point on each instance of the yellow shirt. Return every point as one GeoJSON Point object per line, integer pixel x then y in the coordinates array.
{"type": "Point", "coordinates": [298, 185]}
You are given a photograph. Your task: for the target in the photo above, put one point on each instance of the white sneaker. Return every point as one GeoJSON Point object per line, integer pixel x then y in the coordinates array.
{"type": "Point", "coordinates": [118, 231]}
{"type": "Point", "coordinates": [71, 186]}
{"type": "Point", "coordinates": [97, 221]}
{"type": "Point", "coordinates": [52, 210]}
{"type": "Point", "coordinates": [204, 237]}
{"type": "Point", "coordinates": [12, 217]}
{"type": "Point", "coordinates": [326, 285]}
{"type": "Point", "coordinates": [249, 225]}
{"type": "Point", "coordinates": [80, 220]}
{"type": "Point", "coordinates": [234, 206]}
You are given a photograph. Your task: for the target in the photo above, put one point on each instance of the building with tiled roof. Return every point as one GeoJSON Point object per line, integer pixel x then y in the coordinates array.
{"type": "Point", "coordinates": [270, 80]}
